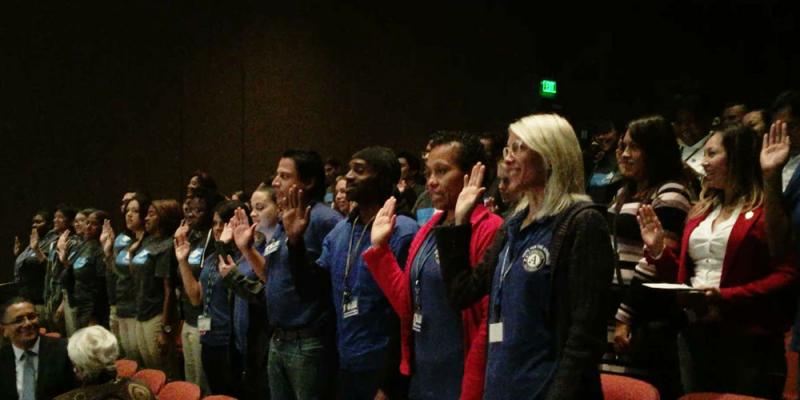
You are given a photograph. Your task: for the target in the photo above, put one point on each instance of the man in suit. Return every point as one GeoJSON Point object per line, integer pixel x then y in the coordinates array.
{"type": "Point", "coordinates": [32, 367]}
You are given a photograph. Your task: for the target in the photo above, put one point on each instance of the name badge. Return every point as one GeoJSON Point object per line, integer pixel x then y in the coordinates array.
{"type": "Point", "coordinates": [141, 257]}
{"type": "Point", "coordinates": [350, 308]}
{"type": "Point", "coordinates": [496, 332]}
{"type": "Point", "coordinates": [203, 323]}
{"type": "Point", "coordinates": [272, 247]}
{"type": "Point", "coordinates": [79, 263]}
{"type": "Point", "coordinates": [123, 258]}
{"type": "Point", "coordinates": [416, 324]}
{"type": "Point", "coordinates": [195, 256]}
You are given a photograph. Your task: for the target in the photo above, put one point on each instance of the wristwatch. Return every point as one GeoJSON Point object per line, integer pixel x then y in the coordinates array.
{"type": "Point", "coordinates": [167, 329]}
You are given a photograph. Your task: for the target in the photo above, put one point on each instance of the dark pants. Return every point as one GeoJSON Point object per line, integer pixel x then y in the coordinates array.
{"type": "Point", "coordinates": [654, 350]}
{"type": "Point", "coordinates": [300, 369]}
{"type": "Point", "coordinates": [717, 360]}
{"type": "Point", "coordinates": [358, 385]}
{"type": "Point", "coordinates": [256, 378]}
{"type": "Point", "coordinates": [223, 368]}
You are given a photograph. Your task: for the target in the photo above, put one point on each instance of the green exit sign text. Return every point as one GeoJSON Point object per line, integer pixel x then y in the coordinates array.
{"type": "Point", "coordinates": [547, 88]}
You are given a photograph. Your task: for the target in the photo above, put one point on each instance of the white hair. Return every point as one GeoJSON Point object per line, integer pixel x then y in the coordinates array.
{"type": "Point", "coordinates": [553, 138]}
{"type": "Point", "coordinates": [93, 350]}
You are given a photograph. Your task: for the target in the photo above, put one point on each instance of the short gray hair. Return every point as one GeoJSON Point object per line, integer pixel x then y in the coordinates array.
{"type": "Point", "coordinates": [93, 350]}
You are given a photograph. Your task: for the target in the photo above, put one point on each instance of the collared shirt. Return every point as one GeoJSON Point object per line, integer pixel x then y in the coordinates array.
{"type": "Point", "coordinates": [707, 246]}
{"type": "Point", "coordinates": [216, 303]}
{"type": "Point", "coordinates": [86, 282]}
{"type": "Point", "coordinates": [20, 363]}
{"type": "Point", "coordinates": [789, 170]}
{"type": "Point", "coordinates": [439, 341]}
{"type": "Point", "coordinates": [363, 338]}
{"type": "Point", "coordinates": [124, 288]}
{"type": "Point", "coordinates": [286, 309]}
{"type": "Point", "coordinates": [153, 262]}
{"type": "Point", "coordinates": [198, 241]}
{"type": "Point", "coordinates": [693, 155]}
{"type": "Point", "coordinates": [523, 364]}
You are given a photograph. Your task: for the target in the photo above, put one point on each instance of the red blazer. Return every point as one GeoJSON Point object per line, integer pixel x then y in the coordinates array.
{"type": "Point", "coordinates": [396, 285]}
{"type": "Point", "coordinates": [755, 287]}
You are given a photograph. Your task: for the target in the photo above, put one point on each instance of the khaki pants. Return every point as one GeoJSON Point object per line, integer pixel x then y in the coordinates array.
{"type": "Point", "coordinates": [127, 339]}
{"type": "Point", "coordinates": [192, 361]}
{"type": "Point", "coordinates": [147, 333]}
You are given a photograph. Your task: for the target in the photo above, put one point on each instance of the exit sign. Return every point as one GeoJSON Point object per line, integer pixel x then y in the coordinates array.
{"type": "Point", "coordinates": [547, 88]}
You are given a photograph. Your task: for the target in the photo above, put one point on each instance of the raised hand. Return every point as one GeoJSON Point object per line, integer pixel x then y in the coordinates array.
{"type": "Point", "coordinates": [107, 238]}
{"type": "Point", "coordinates": [296, 215]}
{"type": "Point", "coordinates": [227, 233]}
{"type": "Point", "coordinates": [470, 193]}
{"type": "Point", "coordinates": [651, 230]}
{"type": "Point", "coordinates": [383, 225]}
{"type": "Point", "coordinates": [181, 244]}
{"type": "Point", "coordinates": [62, 245]}
{"type": "Point", "coordinates": [17, 246]}
{"type": "Point", "coordinates": [225, 265]}
{"type": "Point", "coordinates": [775, 149]}
{"type": "Point", "coordinates": [183, 229]}
{"type": "Point", "coordinates": [243, 232]}
{"type": "Point", "coordinates": [34, 240]}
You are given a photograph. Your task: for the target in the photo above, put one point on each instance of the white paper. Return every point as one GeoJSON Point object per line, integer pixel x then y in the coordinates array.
{"type": "Point", "coordinates": [672, 286]}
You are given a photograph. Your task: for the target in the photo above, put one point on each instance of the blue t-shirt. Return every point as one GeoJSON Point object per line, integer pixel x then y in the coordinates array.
{"type": "Point", "coordinates": [363, 338]}
{"type": "Point", "coordinates": [216, 303]}
{"type": "Point", "coordinates": [285, 308]}
{"type": "Point", "coordinates": [438, 341]}
{"type": "Point", "coordinates": [523, 364]}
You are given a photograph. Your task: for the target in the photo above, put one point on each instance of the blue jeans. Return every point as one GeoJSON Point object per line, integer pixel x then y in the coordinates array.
{"type": "Point", "coordinates": [299, 369]}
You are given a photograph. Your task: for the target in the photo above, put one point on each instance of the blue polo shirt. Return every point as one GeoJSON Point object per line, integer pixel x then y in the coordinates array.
{"type": "Point", "coordinates": [438, 343]}
{"type": "Point", "coordinates": [285, 308]}
{"type": "Point", "coordinates": [363, 338]}
{"type": "Point", "coordinates": [523, 364]}
{"type": "Point", "coordinates": [216, 303]}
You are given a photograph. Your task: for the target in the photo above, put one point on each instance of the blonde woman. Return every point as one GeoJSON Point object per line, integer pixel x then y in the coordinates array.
{"type": "Point", "coordinates": [547, 273]}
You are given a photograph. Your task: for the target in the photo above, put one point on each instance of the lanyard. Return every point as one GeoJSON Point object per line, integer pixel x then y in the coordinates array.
{"type": "Point", "coordinates": [209, 289]}
{"type": "Point", "coordinates": [505, 268]}
{"type": "Point", "coordinates": [348, 263]}
{"type": "Point", "coordinates": [205, 246]}
{"type": "Point", "coordinates": [426, 251]}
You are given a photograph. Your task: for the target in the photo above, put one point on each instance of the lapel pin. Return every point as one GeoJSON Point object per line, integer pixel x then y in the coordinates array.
{"type": "Point", "coordinates": [748, 215]}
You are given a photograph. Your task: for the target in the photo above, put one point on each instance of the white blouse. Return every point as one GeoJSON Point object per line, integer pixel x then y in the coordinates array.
{"type": "Point", "coordinates": [707, 246]}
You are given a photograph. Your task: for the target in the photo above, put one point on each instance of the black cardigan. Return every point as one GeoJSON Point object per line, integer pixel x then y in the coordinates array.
{"type": "Point", "coordinates": [583, 263]}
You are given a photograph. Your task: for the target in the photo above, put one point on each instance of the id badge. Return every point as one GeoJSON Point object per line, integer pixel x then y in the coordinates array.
{"type": "Point", "coordinates": [350, 308]}
{"type": "Point", "coordinates": [272, 247]}
{"type": "Point", "coordinates": [496, 332]}
{"type": "Point", "coordinates": [203, 323]}
{"type": "Point", "coordinates": [416, 324]}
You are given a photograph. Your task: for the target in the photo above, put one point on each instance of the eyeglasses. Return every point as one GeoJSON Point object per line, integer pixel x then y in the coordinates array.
{"type": "Point", "coordinates": [32, 317]}
{"type": "Point", "coordinates": [514, 149]}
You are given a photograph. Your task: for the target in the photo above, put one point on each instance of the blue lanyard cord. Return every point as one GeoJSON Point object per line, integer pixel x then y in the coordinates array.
{"type": "Point", "coordinates": [427, 250]}
{"type": "Point", "coordinates": [209, 290]}
{"type": "Point", "coordinates": [505, 268]}
{"type": "Point", "coordinates": [348, 263]}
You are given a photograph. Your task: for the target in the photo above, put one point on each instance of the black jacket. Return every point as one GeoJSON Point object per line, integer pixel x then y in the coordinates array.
{"type": "Point", "coordinates": [583, 261]}
{"type": "Point", "coordinates": [55, 375]}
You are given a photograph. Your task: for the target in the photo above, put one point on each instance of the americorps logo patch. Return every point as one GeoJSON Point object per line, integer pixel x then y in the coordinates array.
{"type": "Point", "coordinates": [535, 257]}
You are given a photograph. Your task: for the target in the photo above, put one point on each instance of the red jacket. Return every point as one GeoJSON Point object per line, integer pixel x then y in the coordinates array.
{"type": "Point", "coordinates": [755, 288]}
{"type": "Point", "coordinates": [396, 285]}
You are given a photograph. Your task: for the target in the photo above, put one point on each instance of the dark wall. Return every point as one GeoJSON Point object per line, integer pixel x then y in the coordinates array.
{"type": "Point", "coordinates": [99, 99]}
